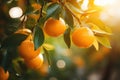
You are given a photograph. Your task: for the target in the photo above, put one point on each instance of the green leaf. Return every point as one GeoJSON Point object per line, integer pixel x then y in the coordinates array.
{"type": "Point", "coordinates": [38, 36]}
{"type": "Point", "coordinates": [29, 10]}
{"type": "Point", "coordinates": [101, 33]}
{"type": "Point", "coordinates": [96, 45]}
{"type": "Point", "coordinates": [104, 41]}
{"type": "Point", "coordinates": [92, 10]}
{"type": "Point", "coordinates": [30, 23]}
{"type": "Point", "coordinates": [73, 9]}
{"type": "Point", "coordinates": [48, 46]}
{"type": "Point", "coordinates": [67, 37]}
{"type": "Point", "coordinates": [47, 55]}
{"type": "Point", "coordinates": [95, 20]}
{"type": "Point", "coordinates": [53, 10]}
{"type": "Point", "coordinates": [97, 31]}
{"type": "Point", "coordinates": [16, 66]}
{"type": "Point", "coordinates": [41, 2]}
{"type": "Point", "coordinates": [68, 17]}
{"type": "Point", "coordinates": [6, 61]}
{"type": "Point", "coordinates": [42, 21]}
{"type": "Point", "coordinates": [8, 55]}
{"type": "Point", "coordinates": [13, 40]}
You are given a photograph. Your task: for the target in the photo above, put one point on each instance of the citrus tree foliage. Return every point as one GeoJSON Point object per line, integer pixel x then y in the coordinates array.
{"type": "Point", "coordinates": [34, 18]}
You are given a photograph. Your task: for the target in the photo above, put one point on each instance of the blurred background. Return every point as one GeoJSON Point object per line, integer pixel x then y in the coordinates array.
{"type": "Point", "coordinates": [67, 64]}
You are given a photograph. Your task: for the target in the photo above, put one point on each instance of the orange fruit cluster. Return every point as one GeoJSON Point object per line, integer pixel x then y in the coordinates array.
{"type": "Point", "coordinates": [30, 55]}
{"type": "Point", "coordinates": [83, 37]}
{"type": "Point", "coordinates": [3, 75]}
{"type": "Point", "coordinates": [54, 28]}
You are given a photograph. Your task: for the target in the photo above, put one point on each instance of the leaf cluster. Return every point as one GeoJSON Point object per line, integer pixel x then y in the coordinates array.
{"type": "Point", "coordinates": [70, 11]}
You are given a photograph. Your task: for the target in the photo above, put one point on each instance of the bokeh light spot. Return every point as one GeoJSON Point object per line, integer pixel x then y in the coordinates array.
{"type": "Point", "coordinates": [15, 12]}
{"type": "Point", "coordinates": [61, 64]}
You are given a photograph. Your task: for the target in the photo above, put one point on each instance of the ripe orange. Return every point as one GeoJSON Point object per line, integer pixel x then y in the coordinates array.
{"type": "Point", "coordinates": [44, 69]}
{"type": "Point", "coordinates": [97, 57]}
{"type": "Point", "coordinates": [83, 37]}
{"type": "Point", "coordinates": [35, 63]}
{"type": "Point", "coordinates": [26, 49]}
{"type": "Point", "coordinates": [79, 61]}
{"type": "Point", "coordinates": [54, 28]}
{"type": "Point", "coordinates": [36, 6]}
{"type": "Point", "coordinates": [3, 75]}
{"type": "Point", "coordinates": [105, 51]}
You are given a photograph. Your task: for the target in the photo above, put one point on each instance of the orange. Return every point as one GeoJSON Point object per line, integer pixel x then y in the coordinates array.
{"type": "Point", "coordinates": [54, 28]}
{"type": "Point", "coordinates": [83, 37]}
{"type": "Point", "coordinates": [3, 75]}
{"type": "Point", "coordinates": [36, 6]}
{"type": "Point", "coordinates": [44, 69]}
{"type": "Point", "coordinates": [26, 49]}
{"type": "Point", "coordinates": [105, 51]}
{"type": "Point", "coordinates": [79, 61]}
{"type": "Point", "coordinates": [35, 63]}
{"type": "Point", "coordinates": [97, 57]}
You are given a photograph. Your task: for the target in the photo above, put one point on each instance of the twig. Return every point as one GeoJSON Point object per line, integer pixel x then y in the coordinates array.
{"type": "Point", "coordinates": [40, 13]}
{"type": "Point", "coordinates": [22, 22]}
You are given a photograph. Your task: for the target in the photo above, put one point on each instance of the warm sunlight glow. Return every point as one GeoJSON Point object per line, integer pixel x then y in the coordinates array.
{"type": "Point", "coordinates": [104, 2]}
{"type": "Point", "coordinates": [111, 13]}
{"type": "Point", "coordinates": [84, 5]}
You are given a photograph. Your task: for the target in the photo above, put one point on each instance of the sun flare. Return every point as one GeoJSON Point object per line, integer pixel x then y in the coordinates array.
{"type": "Point", "coordinates": [104, 2]}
